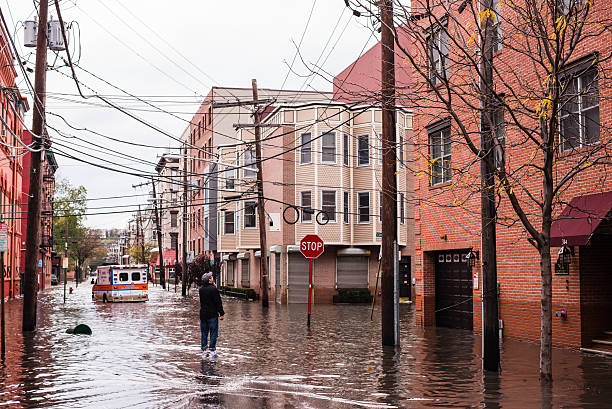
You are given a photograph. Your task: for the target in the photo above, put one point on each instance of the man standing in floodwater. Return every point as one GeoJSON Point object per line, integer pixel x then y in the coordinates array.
{"type": "Point", "coordinates": [211, 310]}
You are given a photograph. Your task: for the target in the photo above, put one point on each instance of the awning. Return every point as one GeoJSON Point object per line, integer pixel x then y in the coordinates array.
{"type": "Point", "coordinates": [243, 256]}
{"type": "Point", "coordinates": [353, 251]}
{"type": "Point", "coordinates": [579, 220]}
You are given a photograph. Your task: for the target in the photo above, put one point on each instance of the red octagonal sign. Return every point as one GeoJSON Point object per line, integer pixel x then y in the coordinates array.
{"type": "Point", "coordinates": [311, 246]}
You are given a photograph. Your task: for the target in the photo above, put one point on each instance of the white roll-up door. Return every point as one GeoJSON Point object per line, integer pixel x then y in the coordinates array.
{"type": "Point", "coordinates": [277, 277]}
{"type": "Point", "coordinates": [245, 278]}
{"type": "Point", "coordinates": [298, 278]}
{"type": "Point", "coordinates": [352, 272]}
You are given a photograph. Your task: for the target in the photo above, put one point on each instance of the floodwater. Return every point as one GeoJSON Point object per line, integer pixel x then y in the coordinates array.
{"type": "Point", "coordinates": [147, 355]}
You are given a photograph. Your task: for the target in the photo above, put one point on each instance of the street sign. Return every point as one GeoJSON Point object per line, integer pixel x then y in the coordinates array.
{"type": "Point", "coordinates": [311, 246]}
{"type": "Point", "coordinates": [3, 237]}
{"type": "Point", "coordinates": [378, 234]}
{"type": "Point", "coordinates": [189, 257]}
{"type": "Point", "coordinates": [39, 263]}
{"type": "Point", "coordinates": [64, 262]}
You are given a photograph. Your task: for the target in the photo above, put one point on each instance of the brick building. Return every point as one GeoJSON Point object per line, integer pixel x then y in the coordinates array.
{"type": "Point", "coordinates": [13, 107]}
{"type": "Point", "coordinates": [447, 214]}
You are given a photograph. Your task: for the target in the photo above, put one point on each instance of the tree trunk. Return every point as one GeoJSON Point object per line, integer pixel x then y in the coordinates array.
{"type": "Point", "coordinates": [546, 314]}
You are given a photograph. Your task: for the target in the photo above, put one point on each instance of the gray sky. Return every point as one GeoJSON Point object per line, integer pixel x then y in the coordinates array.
{"type": "Point", "coordinates": [174, 52]}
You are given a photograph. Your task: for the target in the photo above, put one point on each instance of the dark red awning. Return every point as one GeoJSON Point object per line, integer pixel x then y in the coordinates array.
{"type": "Point", "coordinates": [578, 221]}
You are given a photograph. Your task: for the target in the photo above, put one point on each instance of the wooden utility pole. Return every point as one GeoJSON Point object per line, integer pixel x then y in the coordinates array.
{"type": "Point", "coordinates": [389, 184]}
{"type": "Point", "coordinates": [158, 227]}
{"type": "Point", "coordinates": [30, 285]}
{"type": "Point", "coordinates": [261, 211]}
{"type": "Point", "coordinates": [184, 265]}
{"type": "Point", "coordinates": [490, 339]}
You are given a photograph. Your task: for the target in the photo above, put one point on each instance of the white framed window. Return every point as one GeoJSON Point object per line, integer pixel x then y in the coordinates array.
{"type": "Point", "coordinates": [437, 45]}
{"type": "Point", "coordinates": [306, 206]}
{"type": "Point", "coordinates": [579, 116]}
{"type": "Point", "coordinates": [345, 149]}
{"type": "Point", "coordinates": [363, 150]}
{"type": "Point", "coordinates": [346, 208]}
{"type": "Point", "coordinates": [250, 160]}
{"type": "Point", "coordinates": [328, 147]}
{"type": "Point", "coordinates": [250, 218]}
{"type": "Point", "coordinates": [380, 207]}
{"type": "Point", "coordinates": [228, 222]}
{"type": "Point", "coordinates": [440, 155]}
{"type": "Point", "coordinates": [497, 27]}
{"type": "Point", "coordinates": [379, 142]}
{"type": "Point", "coordinates": [401, 150]}
{"type": "Point", "coordinates": [402, 209]}
{"type": "Point", "coordinates": [230, 173]}
{"type": "Point", "coordinates": [328, 205]}
{"type": "Point", "coordinates": [363, 207]}
{"type": "Point", "coordinates": [306, 148]}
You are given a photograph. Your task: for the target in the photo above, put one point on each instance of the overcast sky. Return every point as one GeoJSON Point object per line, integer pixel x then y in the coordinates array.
{"type": "Point", "coordinates": [171, 55]}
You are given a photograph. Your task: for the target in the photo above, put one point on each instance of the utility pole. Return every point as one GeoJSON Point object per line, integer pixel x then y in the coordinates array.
{"type": "Point", "coordinates": [389, 183]}
{"type": "Point", "coordinates": [184, 265]}
{"type": "Point", "coordinates": [66, 255]}
{"type": "Point", "coordinates": [34, 197]}
{"type": "Point", "coordinates": [140, 236]}
{"type": "Point", "coordinates": [261, 211]}
{"type": "Point", "coordinates": [158, 226]}
{"type": "Point", "coordinates": [490, 339]}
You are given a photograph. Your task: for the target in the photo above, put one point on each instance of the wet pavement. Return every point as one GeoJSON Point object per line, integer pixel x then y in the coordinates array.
{"type": "Point", "coordinates": [147, 355]}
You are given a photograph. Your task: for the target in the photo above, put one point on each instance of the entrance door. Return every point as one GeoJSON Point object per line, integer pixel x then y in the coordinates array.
{"type": "Point", "coordinates": [277, 277]}
{"type": "Point", "coordinates": [453, 291]}
{"type": "Point", "coordinates": [405, 285]}
{"type": "Point", "coordinates": [298, 279]}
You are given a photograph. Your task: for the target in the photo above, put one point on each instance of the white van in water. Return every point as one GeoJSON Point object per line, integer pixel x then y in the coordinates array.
{"type": "Point", "coordinates": [122, 283]}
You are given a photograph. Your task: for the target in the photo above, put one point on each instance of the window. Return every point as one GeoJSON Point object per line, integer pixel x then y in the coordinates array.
{"type": "Point", "coordinates": [363, 150]}
{"type": "Point", "coordinates": [249, 163]}
{"type": "Point", "coordinates": [580, 110]}
{"type": "Point", "coordinates": [346, 207]}
{"type": "Point", "coordinates": [380, 207]}
{"type": "Point", "coordinates": [306, 204]}
{"type": "Point", "coordinates": [206, 225]}
{"type": "Point", "coordinates": [173, 217]}
{"type": "Point", "coordinates": [173, 241]}
{"type": "Point", "coordinates": [440, 155]}
{"type": "Point", "coordinates": [328, 205]}
{"type": "Point", "coordinates": [306, 150]}
{"type": "Point", "coordinates": [402, 217]}
{"type": "Point", "coordinates": [363, 204]}
{"type": "Point", "coordinates": [345, 151]}
{"type": "Point", "coordinates": [228, 222]}
{"type": "Point", "coordinates": [123, 277]}
{"type": "Point", "coordinates": [437, 44]}
{"type": "Point", "coordinates": [328, 147]}
{"type": "Point", "coordinates": [497, 29]}
{"type": "Point", "coordinates": [229, 178]}
{"type": "Point", "coordinates": [249, 215]}
{"type": "Point", "coordinates": [499, 129]}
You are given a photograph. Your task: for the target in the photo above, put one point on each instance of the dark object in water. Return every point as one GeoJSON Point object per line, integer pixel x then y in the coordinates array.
{"type": "Point", "coordinates": [80, 329]}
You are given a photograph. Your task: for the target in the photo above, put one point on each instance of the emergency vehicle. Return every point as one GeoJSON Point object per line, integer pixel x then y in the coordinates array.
{"type": "Point", "coordinates": [121, 283]}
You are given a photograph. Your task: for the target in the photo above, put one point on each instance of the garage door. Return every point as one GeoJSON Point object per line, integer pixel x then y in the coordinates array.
{"type": "Point", "coordinates": [229, 273]}
{"type": "Point", "coordinates": [352, 272]}
{"type": "Point", "coordinates": [277, 277]}
{"type": "Point", "coordinates": [298, 279]}
{"type": "Point", "coordinates": [453, 291]}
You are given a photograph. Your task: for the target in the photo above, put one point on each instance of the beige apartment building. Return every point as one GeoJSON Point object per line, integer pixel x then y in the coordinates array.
{"type": "Point", "coordinates": [322, 166]}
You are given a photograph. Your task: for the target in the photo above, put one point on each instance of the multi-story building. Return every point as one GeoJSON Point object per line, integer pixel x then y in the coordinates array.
{"type": "Point", "coordinates": [322, 167]}
{"type": "Point", "coordinates": [168, 193]}
{"type": "Point", "coordinates": [13, 106]}
{"type": "Point", "coordinates": [211, 128]}
{"type": "Point", "coordinates": [49, 167]}
{"type": "Point", "coordinates": [448, 218]}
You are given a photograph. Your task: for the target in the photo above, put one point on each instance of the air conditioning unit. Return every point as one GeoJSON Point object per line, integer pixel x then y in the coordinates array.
{"type": "Point", "coordinates": [30, 33]}
{"type": "Point", "coordinates": [55, 37]}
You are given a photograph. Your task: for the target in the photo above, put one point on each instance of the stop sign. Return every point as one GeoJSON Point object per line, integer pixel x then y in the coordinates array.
{"type": "Point", "coordinates": [311, 246]}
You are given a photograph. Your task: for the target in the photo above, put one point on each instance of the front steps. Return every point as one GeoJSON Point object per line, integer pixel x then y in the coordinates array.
{"type": "Point", "coordinates": [601, 345]}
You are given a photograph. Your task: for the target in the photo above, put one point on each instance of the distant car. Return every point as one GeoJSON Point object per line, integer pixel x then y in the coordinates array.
{"type": "Point", "coordinates": [54, 280]}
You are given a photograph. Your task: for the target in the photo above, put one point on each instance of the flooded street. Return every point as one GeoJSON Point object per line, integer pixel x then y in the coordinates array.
{"type": "Point", "coordinates": [147, 355]}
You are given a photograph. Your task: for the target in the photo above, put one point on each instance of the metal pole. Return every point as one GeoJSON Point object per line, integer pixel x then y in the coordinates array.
{"type": "Point", "coordinates": [389, 183]}
{"type": "Point", "coordinates": [162, 270]}
{"type": "Point", "coordinates": [66, 255]}
{"type": "Point", "coordinates": [184, 274]}
{"type": "Point", "coordinates": [34, 197]}
{"type": "Point", "coordinates": [2, 330]}
{"type": "Point", "coordinates": [263, 246]}
{"type": "Point", "coordinates": [396, 323]}
{"type": "Point", "coordinates": [309, 292]}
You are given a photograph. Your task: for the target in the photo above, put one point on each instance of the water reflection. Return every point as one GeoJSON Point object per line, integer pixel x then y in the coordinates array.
{"type": "Point", "coordinates": [147, 355]}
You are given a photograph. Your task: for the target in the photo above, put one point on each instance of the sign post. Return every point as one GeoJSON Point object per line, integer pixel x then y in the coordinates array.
{"type": "Point", "coordinates": [311, 247]}
{"type": "Point", "coordinates": [3, 249]}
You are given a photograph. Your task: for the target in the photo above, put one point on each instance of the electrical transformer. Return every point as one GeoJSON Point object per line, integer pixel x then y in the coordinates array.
{"type": "Point", "coordinates": [55, 37]}
{"type": "Point", "coordinates": [30, 33]}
